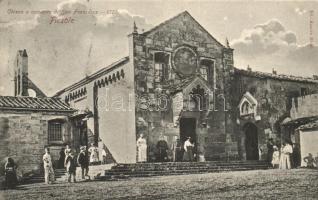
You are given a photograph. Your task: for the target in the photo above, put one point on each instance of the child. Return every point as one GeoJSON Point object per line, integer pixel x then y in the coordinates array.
{"type": "Point", "coordinates": [275, 157]}
{"type": "Point", "coordinates": [70, 167]}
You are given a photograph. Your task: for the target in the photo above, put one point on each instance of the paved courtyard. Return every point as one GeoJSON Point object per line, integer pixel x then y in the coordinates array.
{"type": "Point", "coordinates": [267, 184]}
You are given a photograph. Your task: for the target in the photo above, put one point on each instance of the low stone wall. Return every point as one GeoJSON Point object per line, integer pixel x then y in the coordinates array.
{"type": "Point", "coordinates": [23, 137]}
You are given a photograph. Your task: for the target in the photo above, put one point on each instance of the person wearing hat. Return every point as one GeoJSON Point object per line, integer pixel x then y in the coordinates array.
{"type": "Point", "coordinates": [70, 166]}
{"type": "Point", "coordinates": [82, 160]}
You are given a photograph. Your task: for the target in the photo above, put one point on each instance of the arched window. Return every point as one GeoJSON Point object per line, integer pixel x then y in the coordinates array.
{"type": "Point", "coordinates": [198, 100]}
{"type": "Point", "coordinates": [161, 67]}
{"type": "Point", "coordinates": [206, 70]}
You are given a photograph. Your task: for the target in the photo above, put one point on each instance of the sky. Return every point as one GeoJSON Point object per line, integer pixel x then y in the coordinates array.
{"type": "Point", "coordinates": [264, 35]}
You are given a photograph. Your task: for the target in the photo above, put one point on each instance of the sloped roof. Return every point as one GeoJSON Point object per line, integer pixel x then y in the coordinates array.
{"type": "Point", "coordinates": [95, 75]}
{"type": "Point", "coordinates": [308, 126]}
{"type": "Point", "coordinates": [258, 74]}
{"type": "Point", "coordinates": [185, 82]}
{"type": "Point", "coordinates": [33, 103]}
{"type": "Point", "coordinates": [300, 121]}
{"type": "Point", "coordinates": [178, 15]}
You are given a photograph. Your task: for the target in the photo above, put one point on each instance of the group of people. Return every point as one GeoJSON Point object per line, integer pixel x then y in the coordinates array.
{"type": "Point", "coordinates": [70, 161]}
{"type": "Point", "coordinates": [280, 159]}
{"type": "Point", "coordinates": [180, 152]}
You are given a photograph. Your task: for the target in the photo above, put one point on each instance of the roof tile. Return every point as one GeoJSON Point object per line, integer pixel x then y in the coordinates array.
{"type": "Point", "coordinates": [32, 103]}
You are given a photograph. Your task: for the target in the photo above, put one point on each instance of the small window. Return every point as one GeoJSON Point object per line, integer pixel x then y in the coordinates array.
{"type": "Point", "coordinates": [204, 72]}
{"type": "Point", "coordinates": [161, 67]}
{"type": "Point", "coordinates": [159, 72]}
{"type": "Point", "coordinates": [55, 131]}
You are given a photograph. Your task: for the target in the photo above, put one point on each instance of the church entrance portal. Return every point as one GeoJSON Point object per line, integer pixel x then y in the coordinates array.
{"type": "Point", "coordinates": [251, 142]}
{"type": "Point", "coordinates": [188, 129]}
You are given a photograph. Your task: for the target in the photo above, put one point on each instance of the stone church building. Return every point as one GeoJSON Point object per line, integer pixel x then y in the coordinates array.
{"type": "Point", "coordinates": [178, 81]}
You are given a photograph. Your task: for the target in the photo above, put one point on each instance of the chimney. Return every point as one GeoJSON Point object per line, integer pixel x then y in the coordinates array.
{"type": "Point", "coordinates": [21, 74]}
{"type": "Point", "coordinates": [274, 71]}
{"type": "Point", "coordinates": [248, 68]}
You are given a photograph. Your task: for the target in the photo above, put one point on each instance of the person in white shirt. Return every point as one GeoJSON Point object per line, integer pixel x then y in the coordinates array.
{"type": "Point", "coordinates": [48, 167]}
{"type": "Point", "coordinates": [188, 150]}
{"type": "Point", "coordinates": [142, 149]}
{"type": "Point", "coordinates": [286, 151]}
{"type": "Point", "coordinates": [93, 150]}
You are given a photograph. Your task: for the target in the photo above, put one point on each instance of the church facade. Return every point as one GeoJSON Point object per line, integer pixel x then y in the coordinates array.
{"type": "Point", "coordinates": [177, 82]}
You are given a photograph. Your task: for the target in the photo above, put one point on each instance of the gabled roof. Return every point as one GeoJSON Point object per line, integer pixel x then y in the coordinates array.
{"type": "Point", "coordinates": [32, 103]}
{"type": "Point", "coordinates": [180, 14]}
{"type": "Point", "coordinates": [274, 76]}
{"type": "Point", "coordinates": [95, 75]}
{"type": "Point", "coordinates": [186, 82]}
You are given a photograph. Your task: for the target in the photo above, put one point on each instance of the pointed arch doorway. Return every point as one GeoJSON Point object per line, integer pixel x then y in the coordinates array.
{"type": "Point", "coordinates": [251, 141]}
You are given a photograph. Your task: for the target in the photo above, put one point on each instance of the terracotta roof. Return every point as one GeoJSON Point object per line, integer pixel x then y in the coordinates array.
{"type": "Point", "coordinates": [32, 103]}
{"type": "Point", "coordinates": [311, 125]}
{"type": "Point", "coordinates": [300, 121]}
{"type": "Point", "coordinates": [274, 76]}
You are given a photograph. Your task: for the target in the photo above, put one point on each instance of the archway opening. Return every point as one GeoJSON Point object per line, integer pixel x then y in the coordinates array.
{"type": "Point", "coordinates": [251, 141]}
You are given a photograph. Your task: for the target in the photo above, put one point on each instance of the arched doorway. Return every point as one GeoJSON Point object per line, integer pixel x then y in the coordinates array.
{"type": "Point", "coordinates": [251, 141]}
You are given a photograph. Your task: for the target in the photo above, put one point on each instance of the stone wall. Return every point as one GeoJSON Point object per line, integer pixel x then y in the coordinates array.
{"type": "Point", "coordinates": [24, 136]}
{"type": "Point", "coordinates": [274, 99]}
{"type": "Point", "coordinates": [304, 106]}
{"type": "Point", "coordinates": [216, 140]}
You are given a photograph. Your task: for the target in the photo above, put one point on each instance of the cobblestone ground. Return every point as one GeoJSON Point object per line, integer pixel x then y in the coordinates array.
{"type": "Point", "coordinates": [267, 184]}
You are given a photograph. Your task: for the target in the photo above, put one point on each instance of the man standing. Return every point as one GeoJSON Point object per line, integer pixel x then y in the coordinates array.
{"type": "Point", "coordinates": [48, 167]}
{"type": "Point", "coordinates": [82, 160]}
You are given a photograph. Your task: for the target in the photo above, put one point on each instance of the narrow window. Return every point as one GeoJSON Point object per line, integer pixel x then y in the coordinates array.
{"type": "Point", "coordinates": [161, 67]}
{"type": "Point", "coordinates": [55, 131]}
{"type": "Point", "coordinates": [207, 70]}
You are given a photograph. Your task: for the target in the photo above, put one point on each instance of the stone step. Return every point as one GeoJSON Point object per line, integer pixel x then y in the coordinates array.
{"type": "Point", "coordinates": [162, 169]}
{"type": "Point", "coordinates": [184, 165]}
{"type": "Point", "coordinates": [115, 176]}
{"type": "Point", "coordinates": [183, 168]}
{"type": "Point", "coordinates": [187, 164]}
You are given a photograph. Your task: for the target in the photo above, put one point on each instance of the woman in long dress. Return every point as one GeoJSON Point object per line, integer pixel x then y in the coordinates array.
{"type": "Point", "coordinates": [10, 173]}
{"type": "Point", "coordinates": [188, 150]}
{"type": "Point", "coordinates": [275, 157]}
{"type": "Point", "coordinates": [93, 150]}
{"type": "Point", "coordinates": [286, 151]}
{"type": "Point", "coordinates": [142, 149]}
{"type": "Point", "coordinates": [48, 167]}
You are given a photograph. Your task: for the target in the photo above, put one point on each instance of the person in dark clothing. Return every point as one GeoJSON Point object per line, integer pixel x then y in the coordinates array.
{"type": "Point", "coordinates": [70, 167]}
{"type": "Point", "coordinates": [270, 150]}
{"type": "Point", "coordinates": [10, 173]}
{"type": "Point", "coordinates": [162, 148]}
{"type": "Point", "coordinates": [61, 159]}
{"type": "Point", "coordinates": [82, 160]}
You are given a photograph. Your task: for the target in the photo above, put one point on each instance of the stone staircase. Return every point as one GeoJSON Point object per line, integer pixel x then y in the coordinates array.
{"type": "Point", "coordinates": [95, 172]}
{"type": "Point", "coordinates": [120, 171]}
{"type": "Point", "coordinates": [39, 177]}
